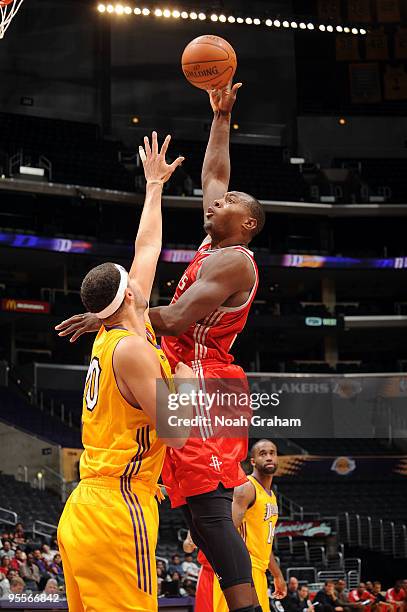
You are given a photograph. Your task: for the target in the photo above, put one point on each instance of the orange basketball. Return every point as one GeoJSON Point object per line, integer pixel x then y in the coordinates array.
{"type": "Point", "coordinates": [209, 62]}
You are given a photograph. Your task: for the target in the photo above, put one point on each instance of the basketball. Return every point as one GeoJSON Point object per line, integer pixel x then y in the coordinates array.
{"type": "Point", "coordinates": [209, 62]}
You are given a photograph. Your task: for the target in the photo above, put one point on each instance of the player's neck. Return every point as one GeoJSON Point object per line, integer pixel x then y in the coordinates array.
{"type": "Point", "coordinates": [221, 243]}
{"type": "Point", "coordinates": [132, 323]}
{"type": "Point", "coordinates": [266, 480]}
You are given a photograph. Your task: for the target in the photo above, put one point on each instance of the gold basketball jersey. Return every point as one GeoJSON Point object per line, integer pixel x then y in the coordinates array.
{"type": "Point", "coordinates": [118, 439]}
{"type": "Point", "coordinates": [259, 525]}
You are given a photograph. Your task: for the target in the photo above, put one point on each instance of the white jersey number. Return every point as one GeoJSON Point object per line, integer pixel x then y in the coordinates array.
{"type": "Point", "coordinates": [92, 384]}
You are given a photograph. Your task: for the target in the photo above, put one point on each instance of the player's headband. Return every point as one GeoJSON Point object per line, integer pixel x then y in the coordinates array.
{"type": "Point", "coordinates": [119, 297]}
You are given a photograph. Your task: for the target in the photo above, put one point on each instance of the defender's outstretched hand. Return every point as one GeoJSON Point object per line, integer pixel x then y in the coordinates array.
{"type": "Point", "coordinates": [222, 100]}
{"type": "Point", "coordinates": [86, 323]}
{"type": "Point", "coordinates": [154, 163]}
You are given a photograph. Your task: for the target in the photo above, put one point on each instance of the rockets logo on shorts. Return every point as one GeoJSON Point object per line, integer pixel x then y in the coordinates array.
{"type": "Point", "coordinates": [215, 463]}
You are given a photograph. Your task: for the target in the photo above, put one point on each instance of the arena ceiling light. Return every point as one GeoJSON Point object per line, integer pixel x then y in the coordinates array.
{"type": "Point", "coordinates": [125, 9]}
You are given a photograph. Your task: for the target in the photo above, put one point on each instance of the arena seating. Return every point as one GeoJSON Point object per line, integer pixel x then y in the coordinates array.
{"type": "Point", "coordinates": [76, 150]}
{"type": "Point", "coordinates": [258, 169]}
{"type": "Point", "coordinates": [381, 174]}
{"type": "Point", "coordinates": [384, 499]}
{"type": "Point", "coordinates": [16, 410]}
{"type": "Point", "coordinates": [29, 504]}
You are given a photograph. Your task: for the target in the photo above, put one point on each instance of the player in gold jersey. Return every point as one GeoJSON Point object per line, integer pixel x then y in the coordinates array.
{"type": "Point", "coordinates": [255, 514]}
{"type": "Point", "coordinates": [108, 530]}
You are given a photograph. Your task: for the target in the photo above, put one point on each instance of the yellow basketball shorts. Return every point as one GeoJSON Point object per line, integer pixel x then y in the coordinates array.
{"type": "Point", "coordinates": [260, 584]}
{"type": "Point", "coordinates": [107, 537]}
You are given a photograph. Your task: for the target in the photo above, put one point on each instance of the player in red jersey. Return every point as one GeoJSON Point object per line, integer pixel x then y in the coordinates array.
{"type": "Point", "coordinates": [209, 309]}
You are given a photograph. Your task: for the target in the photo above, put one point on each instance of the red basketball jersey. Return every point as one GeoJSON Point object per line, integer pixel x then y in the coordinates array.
{"type": "Point", "coordinates": [211, 338]}
{"type": "Point", "coordinates": [208, 459]}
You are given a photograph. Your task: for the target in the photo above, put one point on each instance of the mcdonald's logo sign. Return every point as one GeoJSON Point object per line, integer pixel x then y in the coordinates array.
{"type": "Point", "coordinates": [32, 306]}
{"type": "Point", "coordinates": [9, 304]}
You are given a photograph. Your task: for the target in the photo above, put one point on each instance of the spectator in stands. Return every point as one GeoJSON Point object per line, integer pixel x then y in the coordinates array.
{"type": "Point", "coordinates": [360, 595]}
{"type": "Point", "coordinates": [396, 595]}
{"type": "Point", "coordinates": [19, 535]}
{"type": "Point", "coordinates": [380, 599]}
{"type": "Point", "coordinates": [369, 586]}
{"type": "Point", "coordinates": [17, 586]}
{"type": "Point", "coordinates": [47, 554]}
{"type": "Point", "coordinates": [4, 586]}
{"type": "Point", "coordinates": [175, 565]}
{"type": "Point", "coordinates": [30, 573]}
{"type": "Point", "coordinates": [189, 587]}
{"type": "Point", "coordinates": [161, 566]}
{"type": "Point", "coordinates": [304, 602]}
{"type": "Point", "coordinates": [7, 549]}
{"type": "Point", "coordinates": [51, 587]}
{"type": "Point", "coordinates": [342, 595]}
{"type": "Point", "coordinates": [328, 599]}
{"type": "Point", "coordinates": [291, 600]}
{"type": "Point", "coordinates": [12, 574]}
{"type": "Point", "coordinates": [190, 568]}
{"type": "Point", "coordinates": [56, 569]}
{"type": "Point", "coordinates": [5, 564]}
{"type": "Point", "coordinates": [40, 561]}
{"type": "Point", "coordinates": [160, 579]}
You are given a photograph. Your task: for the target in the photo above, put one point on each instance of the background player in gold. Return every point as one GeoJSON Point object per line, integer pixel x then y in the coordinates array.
{"type": "Point", "coordinates": [255, 514]}
{"type": "Point", "coordinates": [108, 530]}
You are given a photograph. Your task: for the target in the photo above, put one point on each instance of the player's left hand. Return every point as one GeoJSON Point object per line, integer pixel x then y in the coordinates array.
{"type": "Point", "coordinates": [280, 588]}
{"type": "Point", "coordinates": [154, 163]}
{"type": "Point", "coordinates": [223, 100]}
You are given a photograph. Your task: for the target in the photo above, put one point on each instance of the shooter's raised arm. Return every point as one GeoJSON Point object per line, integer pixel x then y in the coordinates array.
{"type": "Point", "coordinates": [216, 165]}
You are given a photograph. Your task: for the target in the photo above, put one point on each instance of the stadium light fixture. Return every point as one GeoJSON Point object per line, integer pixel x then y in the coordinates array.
{"type": "Point", "coordinates": [125, 9]}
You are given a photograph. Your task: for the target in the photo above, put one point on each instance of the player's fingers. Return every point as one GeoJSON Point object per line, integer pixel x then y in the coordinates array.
{"type": "Point", "coordinates": [165, 145]}
{"type": "Point", "coordinates": [147, 147]}
{"type": "Point", "coordinates": [142, 154]}
{"type": "Point", "coordinates": [235, 87]}
{"type": "Point", "coordinates": [76, 335]}
{"type": "Point", "coordinates": [176, 163]}
{"type": "Point", "coordinates": [154, 141]}
{"type": "Point", "coordinates": [73, 327]}
{"type": "Point", "coordinates": [74, 319]}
